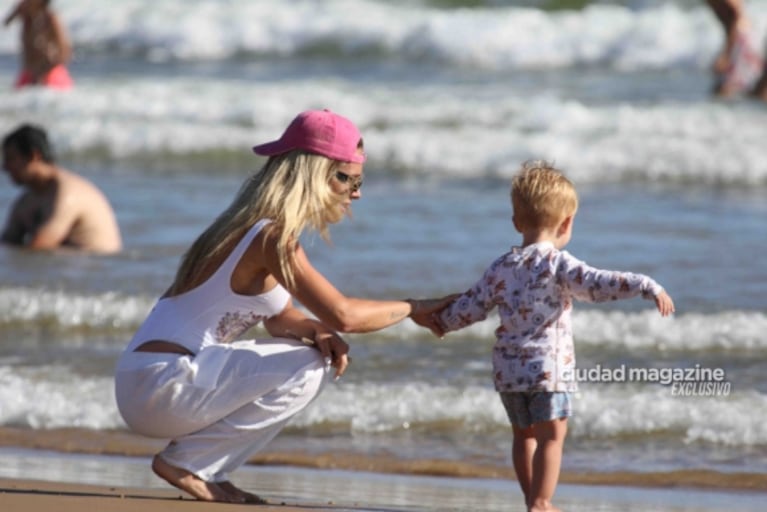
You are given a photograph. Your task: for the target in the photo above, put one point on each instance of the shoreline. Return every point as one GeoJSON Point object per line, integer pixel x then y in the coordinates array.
{"type": "Point", "coordinates": [74, 441]}
{"type": "Point", "coordinates": [35, 495]}
{"type": "Point", "coordinates": [74, 483]}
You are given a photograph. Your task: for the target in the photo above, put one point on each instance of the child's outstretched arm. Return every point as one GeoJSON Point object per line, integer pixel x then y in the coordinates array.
{"type": "Point", "coordinates": [664, 303]}
{"type": "Point", "coordinates": [474, 304]}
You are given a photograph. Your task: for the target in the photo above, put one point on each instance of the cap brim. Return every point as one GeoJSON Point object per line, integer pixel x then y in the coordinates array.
{"type": "Point", "coordinates": [271, 148]}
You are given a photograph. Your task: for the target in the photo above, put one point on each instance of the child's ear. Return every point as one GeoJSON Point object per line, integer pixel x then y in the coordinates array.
{"type": "Point", "coordinates": [565, 225]}
{"type": "Point", "coordinates": [514, 221]}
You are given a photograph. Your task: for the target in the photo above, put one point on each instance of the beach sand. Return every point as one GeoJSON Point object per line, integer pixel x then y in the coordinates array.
{"type": "Point", "coordinates": [35, 495]}
{"type": "Point", "coordinates": [363, 492]}
{"type": "Point", "coordinates": [77, 470]}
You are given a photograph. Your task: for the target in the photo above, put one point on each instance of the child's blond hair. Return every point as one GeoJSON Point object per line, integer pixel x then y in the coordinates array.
{"type": "Point", "coordinates": [541, 196]}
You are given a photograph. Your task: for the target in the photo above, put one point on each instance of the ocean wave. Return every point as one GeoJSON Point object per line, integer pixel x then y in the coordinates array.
{"type": "Point", "coordinates": [656, 411]}
{"type": "Point", "coordinates": [55, 396]}
{"type": "Point", "coordinates": [615, 331]}
{"type": "Point", "coordinates": [694, 332]}
{"type": "Point", "coordinates": [63, 311]}
{"type": "Point", "coordinates": [188, 125]}
{"type": "Point", "coordinates": [59, 310]}
{"type": "Point", "coordinates": [495, 36]}
{"type": "Point", "coordinates": [603, 412]}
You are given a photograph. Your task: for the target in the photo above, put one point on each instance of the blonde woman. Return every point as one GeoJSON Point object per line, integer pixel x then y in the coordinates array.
{"type": "Point", "coordinates": [187, 377]}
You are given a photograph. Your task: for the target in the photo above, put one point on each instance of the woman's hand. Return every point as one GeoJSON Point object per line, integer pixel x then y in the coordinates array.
{"type": "Point", "coordinates": [334, 350]}
{"type": "Point", "coordinates": [293, 323]}
{"type": "Point", "coordinates": [424, 312]}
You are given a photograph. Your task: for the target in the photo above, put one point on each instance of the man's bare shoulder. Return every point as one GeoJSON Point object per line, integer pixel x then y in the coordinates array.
{"type": "Point", "coordinates": [72, 183]}
{"type": "Point", "coordinates": [65, 175]}
{"type": "Point", "coordinates": [95, 226]}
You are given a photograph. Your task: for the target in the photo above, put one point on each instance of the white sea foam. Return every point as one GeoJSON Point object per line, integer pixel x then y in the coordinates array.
{"type": "Point", "coordinates": [727, 330]}
{"type": "Point", "coordinates": [55, 396]}
{"type": "Point", "coordinates": [51, 396]}
{"type": "Point", "coordinates": [422, 130]}
{"type": "Point", "coordinates": [63, 309]}
{"type": "Point", "coordinates": [435, 128]}
{"type": "Point", "coordinates": [609, 411]}
{"type": "Point", "coordinates": [654, 35]}
{"type": "Point", "coordinates": [603, 411]}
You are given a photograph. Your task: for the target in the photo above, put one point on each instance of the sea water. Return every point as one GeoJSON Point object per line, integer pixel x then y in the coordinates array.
{"type": "Point", "coordinates": [450, 98]}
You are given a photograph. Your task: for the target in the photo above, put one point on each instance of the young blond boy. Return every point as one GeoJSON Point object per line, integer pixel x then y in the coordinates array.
{"type": "Point", "coordinates": [534, 286]}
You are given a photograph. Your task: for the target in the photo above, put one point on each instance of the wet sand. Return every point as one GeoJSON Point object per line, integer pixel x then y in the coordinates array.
{"type": "Point", "coordinates": [73, 470]}
{"type": "Point", "coordinates": [297, 490]}
{"type": "Point", "coordinates": [123, 443]}
{"type": "Point", "coordinates": [34, 496]}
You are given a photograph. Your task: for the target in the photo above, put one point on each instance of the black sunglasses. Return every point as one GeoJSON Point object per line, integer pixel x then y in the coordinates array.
{"type": "Point", "coordinates": [355, 182]}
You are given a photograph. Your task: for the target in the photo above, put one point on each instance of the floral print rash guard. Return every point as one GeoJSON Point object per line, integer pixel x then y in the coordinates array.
{"type": "Point", "coordinates": [534, 288]}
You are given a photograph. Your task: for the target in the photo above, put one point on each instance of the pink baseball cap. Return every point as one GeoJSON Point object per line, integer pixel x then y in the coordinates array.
{"type": "Point", "coordinates": [318, 131]}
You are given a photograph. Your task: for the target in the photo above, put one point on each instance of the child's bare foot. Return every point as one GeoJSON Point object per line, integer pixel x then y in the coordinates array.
{"type": "Point", "coordinates": [760, 93]}
{"type": "Point", "coordinates": [544, 506]}
{"type": "Point", "coordinates": [187, 482]}
{"type": "Point", "coordinates": [240, 495]}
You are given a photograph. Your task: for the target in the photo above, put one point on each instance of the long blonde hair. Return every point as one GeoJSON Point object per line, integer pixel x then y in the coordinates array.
{"type": "Point", "coordinates": [292, 190]}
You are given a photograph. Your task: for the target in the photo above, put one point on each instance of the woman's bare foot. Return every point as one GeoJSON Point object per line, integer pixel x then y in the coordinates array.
{"type": "Point", "coordinates": [187, 482]}
{"type": "Point", "coordinates": [240, 495]}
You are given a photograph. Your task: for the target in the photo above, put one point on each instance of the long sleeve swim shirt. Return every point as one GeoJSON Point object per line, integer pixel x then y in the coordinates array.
{"type": "Point", "coordinates": [534, 288]}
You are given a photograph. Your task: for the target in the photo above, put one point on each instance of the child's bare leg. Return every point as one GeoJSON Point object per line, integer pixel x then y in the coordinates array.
{"type": "Point", "coordinates": [760, 89]}
{"type": "Point", "coordinates": [522, 451]}
{"type": "Point", "coordinates": [190, 483]}
{"type": "Point", "coordinates": [547, 461]}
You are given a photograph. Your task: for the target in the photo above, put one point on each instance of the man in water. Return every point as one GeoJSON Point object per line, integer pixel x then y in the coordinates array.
{"type": "Point", "coordinates": [58, 208]}
{"type": "Point", "coordinates": [44, 43]}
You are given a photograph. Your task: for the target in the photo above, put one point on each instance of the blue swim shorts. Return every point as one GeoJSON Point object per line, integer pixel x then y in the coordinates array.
{"type": "Point", "coordinates": [527, 407]}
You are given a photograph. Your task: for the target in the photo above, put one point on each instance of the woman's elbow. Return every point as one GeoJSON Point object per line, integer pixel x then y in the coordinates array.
{"type": "Point", "coordinates": [342, 324]}
{"type": "Point", "coordinates": [342, 319]}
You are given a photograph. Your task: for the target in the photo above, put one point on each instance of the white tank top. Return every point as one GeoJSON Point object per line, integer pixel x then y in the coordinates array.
{"type": "Point", "coordinates": [211, 313]}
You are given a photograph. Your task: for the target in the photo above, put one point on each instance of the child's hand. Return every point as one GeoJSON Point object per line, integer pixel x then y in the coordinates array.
{"type": "Point", "coordinates": [424, 312]}
{"type": "Point", "coordinates": [664, 303]}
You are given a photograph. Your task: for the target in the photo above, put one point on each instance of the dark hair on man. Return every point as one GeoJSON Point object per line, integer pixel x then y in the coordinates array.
{"type": "Point", "coordinates": [26, 139]}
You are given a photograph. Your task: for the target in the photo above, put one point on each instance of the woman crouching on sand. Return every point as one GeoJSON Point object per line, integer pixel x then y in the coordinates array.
{"type": "Point", "coordinates": [184, 377]}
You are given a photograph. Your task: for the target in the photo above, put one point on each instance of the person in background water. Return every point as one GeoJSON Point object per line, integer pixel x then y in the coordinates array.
{"type": "Point", "coordinates": [187, 377]}
{"type": "Point", "coordinates": [738, 65]}
{"type": "Point", "coordinates": [45, 45]}
{"type": "Point", "coordinates": [760, 89]}
{"type": "Point", "coordinates": [59, 208]}
{"type": "Point", "coordinates": [534, 286]}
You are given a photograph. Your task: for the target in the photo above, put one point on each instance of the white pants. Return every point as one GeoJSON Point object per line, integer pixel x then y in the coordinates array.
{"type": "Point", "coordinates": [221, 406]}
